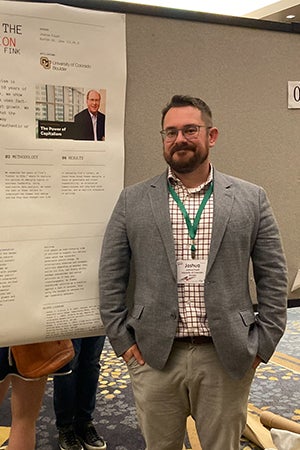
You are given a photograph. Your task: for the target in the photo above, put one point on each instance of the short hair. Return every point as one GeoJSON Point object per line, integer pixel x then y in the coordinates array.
{"type": "Point", "coordinates": [178, 101]}
{"type": "Point", "coordinates": [92, 90]}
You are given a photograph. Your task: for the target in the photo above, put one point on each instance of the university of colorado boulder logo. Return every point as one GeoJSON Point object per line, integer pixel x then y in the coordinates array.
{"type": "Point", "coordinates": [45, 62]}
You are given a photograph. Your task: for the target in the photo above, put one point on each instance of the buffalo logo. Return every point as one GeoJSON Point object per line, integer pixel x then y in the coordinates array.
{"type": "Point", "coordinates": [45, 62]}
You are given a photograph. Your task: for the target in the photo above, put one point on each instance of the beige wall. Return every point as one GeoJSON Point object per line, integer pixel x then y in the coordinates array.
{"type": "Point", "coordinates": [242, 73]}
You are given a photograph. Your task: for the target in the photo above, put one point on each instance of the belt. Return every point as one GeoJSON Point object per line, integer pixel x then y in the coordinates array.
{"type": "Point", "coordinates": [195, 339]}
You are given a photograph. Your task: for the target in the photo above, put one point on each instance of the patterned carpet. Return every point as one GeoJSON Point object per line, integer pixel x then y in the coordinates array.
{"type": "Point", "coordinates": [275, 388]}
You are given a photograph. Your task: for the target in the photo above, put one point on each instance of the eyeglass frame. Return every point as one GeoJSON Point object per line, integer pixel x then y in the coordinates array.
{"type": "Point", "coordinates": [164, 135]}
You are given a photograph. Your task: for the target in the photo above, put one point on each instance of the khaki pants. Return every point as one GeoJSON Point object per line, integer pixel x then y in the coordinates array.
{"type": "Point", "coordinates": [192, 383]}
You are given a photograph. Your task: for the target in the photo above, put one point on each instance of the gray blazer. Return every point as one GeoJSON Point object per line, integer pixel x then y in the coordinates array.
{"type": "Point", "coordinates": [138, 251]}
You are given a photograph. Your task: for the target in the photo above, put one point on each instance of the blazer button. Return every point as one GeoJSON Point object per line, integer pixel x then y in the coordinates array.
{"type": "Point", "coordinates": [174, 316]}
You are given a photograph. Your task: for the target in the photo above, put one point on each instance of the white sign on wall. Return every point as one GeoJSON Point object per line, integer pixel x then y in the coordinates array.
{"type": "Point", "coordinates": [294, 94]}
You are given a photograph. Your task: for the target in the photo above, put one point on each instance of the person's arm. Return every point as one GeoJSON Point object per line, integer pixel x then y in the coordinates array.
{"type": "Point", "coordinates": [270, 273]}
{"type": "Point", "coordinates": [114, 274]}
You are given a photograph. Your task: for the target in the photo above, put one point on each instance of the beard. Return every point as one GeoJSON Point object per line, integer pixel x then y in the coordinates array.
{"type": "Point", "coordinates": [186, 163]}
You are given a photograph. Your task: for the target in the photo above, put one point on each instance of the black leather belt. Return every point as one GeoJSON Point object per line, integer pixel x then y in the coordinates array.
{"type": "Point", "coordinates": [195, 339]}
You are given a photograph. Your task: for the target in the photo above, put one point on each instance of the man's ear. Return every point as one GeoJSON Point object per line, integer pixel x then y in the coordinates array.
{"type": "Point", "coordinates": [213, 136]}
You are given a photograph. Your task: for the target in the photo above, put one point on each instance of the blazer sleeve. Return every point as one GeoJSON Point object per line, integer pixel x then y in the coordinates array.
{"type": "Point", "coordinates": [270, 273]}
{"type": "Point", "coordinates": [114, 273]}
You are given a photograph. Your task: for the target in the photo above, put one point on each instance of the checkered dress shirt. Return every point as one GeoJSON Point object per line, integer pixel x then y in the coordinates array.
{"type": "Point", "coordinates": [192, 312]}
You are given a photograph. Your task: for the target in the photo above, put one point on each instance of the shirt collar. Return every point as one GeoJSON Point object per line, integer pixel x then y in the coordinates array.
{"type": "Point", "coordinates": [93, 116]}
{"type": "Point", "coordinates": [174, 180]}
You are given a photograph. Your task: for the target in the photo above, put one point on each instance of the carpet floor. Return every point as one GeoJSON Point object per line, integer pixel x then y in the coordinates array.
{"type": "Point", "coordinates": [275, 388]}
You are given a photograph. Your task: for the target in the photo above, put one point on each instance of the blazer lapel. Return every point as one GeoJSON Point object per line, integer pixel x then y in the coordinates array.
{"type": "Point", "coordinates": [223, 200]}
{"type": "Point", "coordinates": [159, 200]}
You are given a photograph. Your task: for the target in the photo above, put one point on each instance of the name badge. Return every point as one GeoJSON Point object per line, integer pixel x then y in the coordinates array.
{"type": "Point", "coordinates": [191, 271]}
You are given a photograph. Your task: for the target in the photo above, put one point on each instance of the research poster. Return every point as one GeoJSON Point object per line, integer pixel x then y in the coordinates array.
{"type": "Point", "coordinates": [62, 102]}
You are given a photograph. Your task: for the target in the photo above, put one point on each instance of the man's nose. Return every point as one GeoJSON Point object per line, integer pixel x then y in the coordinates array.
{"type": "Point", "coordinates": [180, 136]}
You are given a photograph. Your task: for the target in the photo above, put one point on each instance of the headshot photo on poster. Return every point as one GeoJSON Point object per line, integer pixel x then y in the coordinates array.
{"type": "Point", "coordinates": [65, 112]}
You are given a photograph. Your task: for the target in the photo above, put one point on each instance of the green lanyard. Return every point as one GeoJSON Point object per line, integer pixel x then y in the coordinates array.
{"type": "Point", "coordinates": [192, 227]}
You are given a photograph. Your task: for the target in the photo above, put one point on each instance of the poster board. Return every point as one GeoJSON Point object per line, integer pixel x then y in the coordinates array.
{"type": "Point", "coordinates": [57, 188]}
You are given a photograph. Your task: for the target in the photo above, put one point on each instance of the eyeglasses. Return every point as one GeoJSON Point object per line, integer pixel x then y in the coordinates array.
{"type": "Point", "coordinates": [188, 131]}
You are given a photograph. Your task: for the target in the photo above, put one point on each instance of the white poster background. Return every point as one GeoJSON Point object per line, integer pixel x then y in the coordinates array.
{"type": "Point", "coordinates": [56, 194]}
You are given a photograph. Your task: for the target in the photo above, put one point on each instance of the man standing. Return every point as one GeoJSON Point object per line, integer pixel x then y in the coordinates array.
{"type": "Point", "coordinates": [90, 123]}
{"type": "Point", "coordinates": [188, 329]}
